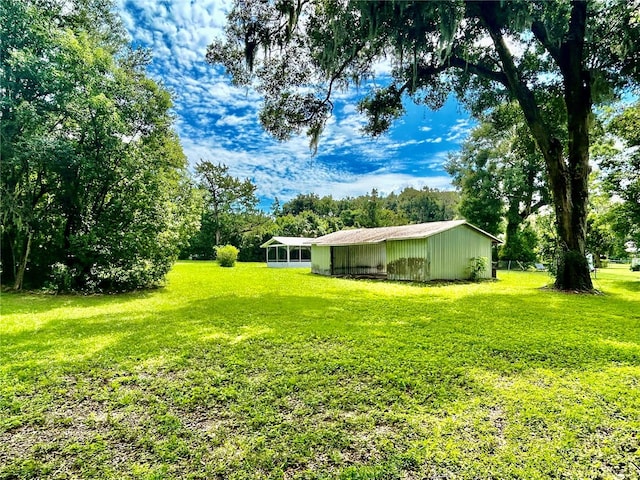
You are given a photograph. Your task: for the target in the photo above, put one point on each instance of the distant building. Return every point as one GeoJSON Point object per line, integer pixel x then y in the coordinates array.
{"type": "Point", "coordinates": [419, 253]}
{"type": "Point", "coordinates": [288, 252]}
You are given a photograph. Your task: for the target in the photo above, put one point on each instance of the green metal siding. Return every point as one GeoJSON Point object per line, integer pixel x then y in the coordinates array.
{"type": "Point", "coordinates": [321, 260]}
{"type": "Point", "coordinates": [359, 260]}
{"type": "Point", "coordinates": [452, 251]}
{"type": "Point", "coordinates": [444, 256]}
{"type": "Point", "coordinates": [408, 260]}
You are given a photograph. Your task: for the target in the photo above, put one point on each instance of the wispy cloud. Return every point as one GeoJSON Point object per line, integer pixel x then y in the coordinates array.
{"type": "Point", "coordinates": [460, 130]}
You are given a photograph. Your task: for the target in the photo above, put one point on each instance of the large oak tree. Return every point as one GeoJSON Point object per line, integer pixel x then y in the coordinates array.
{"type": "Point", "coordinates": [547, 56]}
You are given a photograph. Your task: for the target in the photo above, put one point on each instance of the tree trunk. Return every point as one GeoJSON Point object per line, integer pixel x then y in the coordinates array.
{"type": "Point", "coordinates": [570, 198]}
{"type": "Point", "coordinates": [570, 201]}
{"type": "Point", "coordinates": [216, 217]}
{"type": "Point", "coordinates": [12, 250]}
{"type": "Point", "coordinates": [567, 177]}
{"type": "Point", "coordinates": [573, 268]}
{"type": "Point", "coordinates": [23, 264]}
{"type": "Point", "coordinates": [597, 262]}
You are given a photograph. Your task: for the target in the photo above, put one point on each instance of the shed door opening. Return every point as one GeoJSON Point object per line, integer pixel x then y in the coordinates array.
{"type": "Point", "coordinates": [366, 260]}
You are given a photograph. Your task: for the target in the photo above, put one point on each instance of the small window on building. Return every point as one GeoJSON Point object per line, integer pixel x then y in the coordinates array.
{"type": "Point", "coordinates": [272, 254]}
{"type": "Point", "coordinates": [294, 254]}
{"type": "Point", "coordinates": [305, 254]}
{"type": "Point", "coordinates": [282, 254]}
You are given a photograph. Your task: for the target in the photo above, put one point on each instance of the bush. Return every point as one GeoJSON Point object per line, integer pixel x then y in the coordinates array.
{"type": "Point", "coordinates": [227, 255]}
{"type": "Point", "coordinates": [477, 265]}
{"type": "Point", "coordinates": [62, 278]}
{"type": "Point", "coordinates": [122, 276]}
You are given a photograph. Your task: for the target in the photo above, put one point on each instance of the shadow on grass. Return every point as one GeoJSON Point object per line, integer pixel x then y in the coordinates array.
{"type": "Point", "coordinates": [629, 285]}
{"type": "Point", "coordinates": [433, 284]}
{"type": "Point", "coordinates": [492, 331]}
{"type": "Point", "coordinates": [285, 378]}
{"type": "Point", "coordinates": [42, 302]}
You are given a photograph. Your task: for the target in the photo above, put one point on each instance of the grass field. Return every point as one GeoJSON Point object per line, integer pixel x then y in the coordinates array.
{"type": "Point", "coordinates": [252, 372]}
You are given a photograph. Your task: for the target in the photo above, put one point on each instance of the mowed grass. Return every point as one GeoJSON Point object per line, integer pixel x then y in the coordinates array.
{"type": "Point", "coordinates": [250, 372]}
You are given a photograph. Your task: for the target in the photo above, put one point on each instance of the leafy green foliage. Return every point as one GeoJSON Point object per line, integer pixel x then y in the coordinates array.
{"type": "Point", "coordinates": [261, 373]}
{"type": "Point", "coordinates": [373, 210]}
{"type": "Point", "coordinates": [481, 202]}
{"type": "Point", "coordinates": [227, 255]}
{"type": "Point", "coordinates": [424, 205]}
{"type": "Point", "coordinates": [622, 171]}
{"type": "Point", "coordinates": [522, 245]}
{"type": "Point", "coordinates": [543, 226]}
{"type": "Point", "coordinates": [501, 176]}
{"type": "Point", "coordinates": [94, 179]}
{"type": "Point", "coordinates": [477, 266]}
{"type": "Point", "coordinates": [602, 238]}
{"type": "Point", "coordinates": [229, 210]}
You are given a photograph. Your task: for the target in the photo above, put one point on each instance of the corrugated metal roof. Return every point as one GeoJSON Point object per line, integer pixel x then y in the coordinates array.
{"type": "Point", "coordinates": [382, 234]}
{"type": "Point", "coordinates": [289, 241]}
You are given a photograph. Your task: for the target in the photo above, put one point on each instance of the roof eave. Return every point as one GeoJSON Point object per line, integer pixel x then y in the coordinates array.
{"type": "Point", "coordinates": [493, 239]}
{"type": "Point", "coordinates": [268, 243]}
{"type": "Point", "coordinates": [347, 244]}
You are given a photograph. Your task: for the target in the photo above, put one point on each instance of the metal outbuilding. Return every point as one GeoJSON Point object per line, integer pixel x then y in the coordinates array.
{"type": "Point", "coordinates": [288, 252]}
{"type": "Point", "coordinates": [419, 253]}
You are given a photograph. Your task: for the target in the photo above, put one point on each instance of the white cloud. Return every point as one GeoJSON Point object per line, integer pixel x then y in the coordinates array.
{"type": "Point", "coordinates": [384, 182]}
{"type": "Point", "coordinates": [460, 130]}
{"type": "Point", "coordinates": [286, 169]}
{"type": "Point", "coordinates": [217, 121]}
{"type": "Point", "coordinates": [233, 120]}
{"type": "Point", "coordinates": [383, 67]}
{"type": "Point", "coordinates": [349, 109]}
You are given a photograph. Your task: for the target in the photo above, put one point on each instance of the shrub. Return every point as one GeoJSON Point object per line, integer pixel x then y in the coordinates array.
{"type": "Point", "coordinates": [62, 278]}
{"type": "Point", "coordinates": [477, 265]}
{"type": "Point", "coordinates": [227, 255]}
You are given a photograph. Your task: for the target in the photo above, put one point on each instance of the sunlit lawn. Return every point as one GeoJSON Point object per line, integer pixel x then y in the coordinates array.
{"type": "Point", "coordinates": [252, 372]}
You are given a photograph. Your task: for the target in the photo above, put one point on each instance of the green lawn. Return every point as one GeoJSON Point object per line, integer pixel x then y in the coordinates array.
{"type": "Point", "coordinates": [252, 372]}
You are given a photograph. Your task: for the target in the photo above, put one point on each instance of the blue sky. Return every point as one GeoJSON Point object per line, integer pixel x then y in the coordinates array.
{"type": "Point", "coordinates": [218, 122]}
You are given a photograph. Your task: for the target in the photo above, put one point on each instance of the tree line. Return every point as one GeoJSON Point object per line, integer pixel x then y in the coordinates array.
{"type": "Point", "coordinates": [231, 216]}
